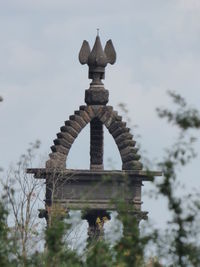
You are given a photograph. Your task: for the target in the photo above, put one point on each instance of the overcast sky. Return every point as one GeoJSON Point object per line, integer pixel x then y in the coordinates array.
{"type": "Point", "coordinates": [42, 83]}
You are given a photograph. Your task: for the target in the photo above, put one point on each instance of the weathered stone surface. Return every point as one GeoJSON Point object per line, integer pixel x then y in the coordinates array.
{"type": "Point", "coordinates": [62, 141]}
{"type": "Point", "coordinates": [96, 166]}
{"type": "Point", "coordinates": [127, 150]}
{"type": "Point", "coordinates": [95, 139]}
{"type": "Point", "coordinates": [82, 107]}
{"type": "Point", "coordinates": [132, 165]}
{"type": "Point", "coordinates": [107, 112]}
{"type": "Point", "coordinates": [96, 154]}
{"type": "Point", "coordinates": [60, 148]}
{"type": "Point", "coordinates": [118, 118]}
{"type": "Point", "coordinates": [77, 119]}
{"type": "Point", "coordinates": [57, 156]}
{"type": "Point", "coordinates": [97, 109]}
{"type": "Point", "coordinates": [89, 110]}
{"type": "Point", "coordinates": [84, 115]}
{"type": "Point", "coordinates": [108, 108]}
{"type": "Point", "coordinates": [55, 164]}
{"type": "Point", "coordinates": [126, 143]}
{"type": "Point", "coordinates": [70, 130]}
{"type": "Point", "coordinates": [96, 142]}
{"type": "Point", "coordinates": [115, 125]}
{"type": "Point", "coordinates": [119, 131]}
{"type": "Point", "coordinates": [96, 159]}
{"type": "Point", "coordinates": [122, 137]}
{"type": "Point", "coordinates": [100, 112]}
{"type": "Point", "coordinates": [68, 137]}
{"type": "Point", "coordinates": [57, 160]}
{"type": "Point", "coordinates": [97, 59]}
{"type": "Point", "coordinates": [96, 96]}
{"type": "Point", "coordinates": [50, 163]}
{"type": "Point", "coordinates": [104, 116]}
{"type": "Point", "coordinates": [130, 156]}
{"type": "Point", "coordinates": [74, 124]}
{"type": "Point", "coordinates": [107, 119]}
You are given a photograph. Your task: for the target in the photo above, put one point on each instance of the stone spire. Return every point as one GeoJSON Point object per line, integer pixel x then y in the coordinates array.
{"type": "Point", "coordinates": [97, 60]}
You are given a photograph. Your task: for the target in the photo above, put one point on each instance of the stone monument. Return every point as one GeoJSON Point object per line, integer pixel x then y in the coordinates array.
{"type": "Point", "coordinates": [95, 189]}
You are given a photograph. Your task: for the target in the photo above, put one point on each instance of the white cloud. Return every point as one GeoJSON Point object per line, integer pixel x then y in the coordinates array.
{"type": "Point", "coordinates": [189, 5]}
{"type": "Point", "coordinates": [24, 57]}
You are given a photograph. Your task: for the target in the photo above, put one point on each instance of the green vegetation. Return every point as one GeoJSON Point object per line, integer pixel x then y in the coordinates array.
{"type": "Point", "coordinates": [177, 246]}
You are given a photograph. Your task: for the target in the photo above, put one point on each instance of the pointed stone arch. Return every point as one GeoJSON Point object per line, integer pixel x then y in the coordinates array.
{"type": "Point", "coordinates": [113, 122]}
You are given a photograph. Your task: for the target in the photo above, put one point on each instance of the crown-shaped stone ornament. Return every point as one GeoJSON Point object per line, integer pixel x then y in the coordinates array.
{"type": "Point", "coordinates": [97, 60]}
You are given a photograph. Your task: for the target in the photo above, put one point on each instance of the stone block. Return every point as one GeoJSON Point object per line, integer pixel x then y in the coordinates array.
{"type": "Point", "coordinates": [82, 107]}
{"type": "Point", "coordinates": [132, 165]}
{"type": "Point", "coordinates": [122, 137]}
{"type": "Point", "coordinates": [69, 130]}
{"type": "Point", "coordinates": [119, 131]}
{"type": "Point", "coordinates": [77, 119]}
{"type": "Point", "coordinates": [97, 109]}
{"type": "Point", "coordinates": [126, 143]}
{"type": "Point", "coordinates": [130, 156]}
{"type": "Point", "coordinates": [61, 149]}
{"type": "Point", "coordinates": [98, 153]}
{"type": "Point", "coordinates": [57, 156]}
{"type": "Point", "coordinates": [83, 115]}
{"type": "Point", "coordinates": [106, 114]}
{"type": "Point", "coordinates": [118, 117]}
{"type": "Point", "coordinates": [74, 125]}
{"type": "Point", "coordinates": [104, 117]}
{"type": "Point", "coordinates": [68, 137]}
{"type": "Point", "coordinates": [115, 125]}
{"type": "Point", "coordinates": [62, 141]}
{"type": "Point", "coordinates": [109, 109]}
{"type": "Point", "coordinates": [127, 150]}
{"type": "Point", "coordinates": [109, 120]}
{"type": "Point", "coordinates": [55, 164]}
{"type": "Point", "coordinates": [96, 96]}
{"type": "Point", "coordinates": [96, 166]}
{"type": "Point", "coordinates": [96, 160]}
{"type": "Point", "coordinates": [89, 110]}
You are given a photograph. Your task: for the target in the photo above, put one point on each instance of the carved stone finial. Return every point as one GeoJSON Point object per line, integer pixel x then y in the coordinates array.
{"type": "Point", "coordinates": [97, 59]}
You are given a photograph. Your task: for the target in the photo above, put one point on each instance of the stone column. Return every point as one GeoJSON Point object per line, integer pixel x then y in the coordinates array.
{"type": "Point", "coordinates": [96, 220]}
{"type": "Point", "coordinates": [96, 144]}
